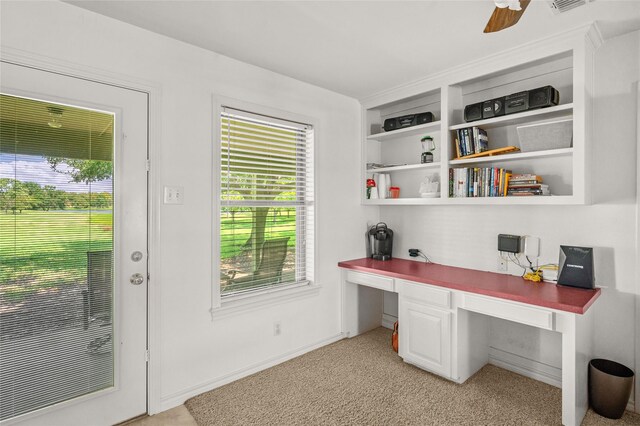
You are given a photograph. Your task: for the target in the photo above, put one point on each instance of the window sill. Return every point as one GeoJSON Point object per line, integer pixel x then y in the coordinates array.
{"type": "Point", "coordinates": [242, 303]}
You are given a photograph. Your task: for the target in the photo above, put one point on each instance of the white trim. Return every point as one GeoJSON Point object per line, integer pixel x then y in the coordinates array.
{"type": "Point", "coordinates": [237, 297]}
{"type": "Point", "coordinates": [637, 248]}
{"type": "Point", "coordinates": [71, 69]}
{"type": "Point", "coordinates": [594, 35]}
{"type": "Point", "coordinates": [154, 134]}
{"type": "Point", "coordinates": [180, 397]}
{"type": "Point", "coordinates": [526, 367]}
{"type": "Point", "coordinates": [219, 306]}
{"type": "Point", "coordinates": [388, 320]}
{"type": "Point", "coordinates": [154, 285]}
{"type": "Point", "coordinates": [252, 302]}
{"type": "Point", "coordinates": [214, 180]}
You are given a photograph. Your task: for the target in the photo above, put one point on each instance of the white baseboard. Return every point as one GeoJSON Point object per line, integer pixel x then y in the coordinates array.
{"type": "Point", "coordinates": [178, 398]}
{"type": "Point", "coordinates": [526, 367]}
{"type": "Point", "coordinates": [388, 320]}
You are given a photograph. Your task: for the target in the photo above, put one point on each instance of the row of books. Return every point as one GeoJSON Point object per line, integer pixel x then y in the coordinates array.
{"type": "Point", "coordinates": [493, 182]}
{"type": "Point", "coordinates": [471, 140]}
{"type": "Point", "coordinates": [477, 182]}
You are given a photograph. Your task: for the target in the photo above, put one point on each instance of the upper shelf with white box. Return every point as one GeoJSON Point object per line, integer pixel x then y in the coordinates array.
{"type": "Point", "coordinates": [515, 145]}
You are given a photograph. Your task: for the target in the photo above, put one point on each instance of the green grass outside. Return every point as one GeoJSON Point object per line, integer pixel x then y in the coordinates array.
{"type": "Point", "coordinates": [40, 250]}
{"type": "Point", "coordinates": [234, 231]}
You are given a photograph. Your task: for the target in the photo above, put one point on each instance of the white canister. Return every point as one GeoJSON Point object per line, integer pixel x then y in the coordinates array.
{"type": "Point", "coordinates": [387, 181]}
{"type": "Point", "coordinates": [382, 186]}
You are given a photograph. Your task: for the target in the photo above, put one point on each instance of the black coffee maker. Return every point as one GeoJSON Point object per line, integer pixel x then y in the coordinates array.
{"type": "Point", "coordinates": [379, 242]}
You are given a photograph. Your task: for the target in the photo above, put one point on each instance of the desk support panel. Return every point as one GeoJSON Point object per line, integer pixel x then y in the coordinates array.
{"type": "Point", "coordinates": [472, 343]}
{"type": "Point", "coordinates": [577, 350]}
{"type": "Point", "coordinates": [363, 308]}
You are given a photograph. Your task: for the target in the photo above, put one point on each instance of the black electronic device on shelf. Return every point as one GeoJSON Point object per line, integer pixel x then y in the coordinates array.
{"type": "Point", "coordinates": [543, 97]}
{"type": "Point", "coordinates": [493, 108]}
{"type": "Point", "coordinates": [409, 120]}
{"type": "Point", "coordinates": [575, 267]}
{"type": "Point", "coordinates": [473, 112]}
{"type": "Point", "coordinates": [516, 102]}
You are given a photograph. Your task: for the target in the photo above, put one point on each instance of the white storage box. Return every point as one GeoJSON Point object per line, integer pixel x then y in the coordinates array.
{"type": "Point", "coordinates": [544, 136]}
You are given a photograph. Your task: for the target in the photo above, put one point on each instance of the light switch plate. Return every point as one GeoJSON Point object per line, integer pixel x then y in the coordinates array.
{"type": "Point", "coordinates": [173, 194]}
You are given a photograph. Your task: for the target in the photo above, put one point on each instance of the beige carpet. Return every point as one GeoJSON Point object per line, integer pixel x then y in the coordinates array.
{"type": "Point", "coordinates": [361, 381]}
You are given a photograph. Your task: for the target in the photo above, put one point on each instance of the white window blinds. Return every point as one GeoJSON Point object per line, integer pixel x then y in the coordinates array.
{"type": "Point", "coordinates": [266, 202]}
{"type": "Point", "coordinates": [56, 253]}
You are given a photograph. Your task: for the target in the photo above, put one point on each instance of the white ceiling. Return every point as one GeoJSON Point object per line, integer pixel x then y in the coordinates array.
{"type": "Point", "coordinates": [357, 48]}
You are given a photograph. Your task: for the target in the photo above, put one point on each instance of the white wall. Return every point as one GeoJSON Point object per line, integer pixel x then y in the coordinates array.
{"type": "Point", "coordinates": [467, 235]}
{"type": "Point", "coordinates": [196, 353]}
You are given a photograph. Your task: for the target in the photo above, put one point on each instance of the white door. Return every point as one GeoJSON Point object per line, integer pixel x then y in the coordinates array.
{"type": "Point", "coordinates": [73, 250]}
{"type": "Point", "coordinates": [425, 337]}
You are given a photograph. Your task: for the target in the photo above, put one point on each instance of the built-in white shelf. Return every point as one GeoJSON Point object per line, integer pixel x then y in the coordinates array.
{"type": "Point", "coordinates": [567, 68]}
{"type": "Point", "coordinates": [515, 156]}
{"type": "Point", "coordinates": [405, 167]}
{"type": "Point", "coordinates": [408, 131]}
{"type": "Point", "coordinates": [565, 110]}
{"type": "Point", "coordinates": [532, 199]}
{"type": "Point", "coordinates": [523, 200]}
{"type": "Point", "coordinates": [405, 201]}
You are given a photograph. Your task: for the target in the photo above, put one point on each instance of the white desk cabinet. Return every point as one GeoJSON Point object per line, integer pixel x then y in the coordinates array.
{"type": "Point", "coordinates": [425, 336]}
{"type": "Point", "coordinates": [426, 326]}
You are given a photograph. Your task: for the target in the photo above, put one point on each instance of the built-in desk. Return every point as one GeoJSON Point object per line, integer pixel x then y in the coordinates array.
{"type": "Point", "coordinates": [444, 311]}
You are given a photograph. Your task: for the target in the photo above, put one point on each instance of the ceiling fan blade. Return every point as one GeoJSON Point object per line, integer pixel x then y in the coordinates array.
{"type": "Point", "coordinates": [504, 18]}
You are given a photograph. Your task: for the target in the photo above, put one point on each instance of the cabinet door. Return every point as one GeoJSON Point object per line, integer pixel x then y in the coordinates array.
{"type": "Point", "coordinates": [425, 337]}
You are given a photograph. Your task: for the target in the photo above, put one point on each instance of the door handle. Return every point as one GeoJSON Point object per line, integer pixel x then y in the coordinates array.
{"type": "Point", "coordinates": [136, 279]}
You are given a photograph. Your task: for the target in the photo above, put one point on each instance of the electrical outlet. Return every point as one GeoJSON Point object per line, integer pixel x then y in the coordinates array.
{"type": "Point", "coordinates": [277, 329]}
{"type": "Point", "coordinates": [502, 264]}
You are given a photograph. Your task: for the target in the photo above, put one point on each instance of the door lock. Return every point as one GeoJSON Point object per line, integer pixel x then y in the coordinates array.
{"type": "Point", "coordinates": [136, 256]}
{"type": "Point", "coordinates": [136, 279]}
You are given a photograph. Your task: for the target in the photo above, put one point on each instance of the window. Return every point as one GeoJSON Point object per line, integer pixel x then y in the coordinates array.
{"type": "Point", "coordinates": [266, 202]}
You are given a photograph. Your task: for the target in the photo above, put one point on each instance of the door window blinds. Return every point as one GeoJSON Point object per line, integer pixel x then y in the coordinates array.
{"type": "Point", "coordinates": [56, 253]}
{"type": "Point", "coordinates": [266, 202]}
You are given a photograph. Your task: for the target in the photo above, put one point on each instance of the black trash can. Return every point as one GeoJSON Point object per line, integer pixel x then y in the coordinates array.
{"type": "Point", "coordinates": [609, 387]}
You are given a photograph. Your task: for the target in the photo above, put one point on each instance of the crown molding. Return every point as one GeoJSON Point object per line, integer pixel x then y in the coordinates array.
{"type": "Point", "coordinates": [594, 36]}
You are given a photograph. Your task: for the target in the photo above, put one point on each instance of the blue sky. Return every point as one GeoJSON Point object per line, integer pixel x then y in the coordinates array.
{"type": "Point", "coordinates": [34, 168]}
